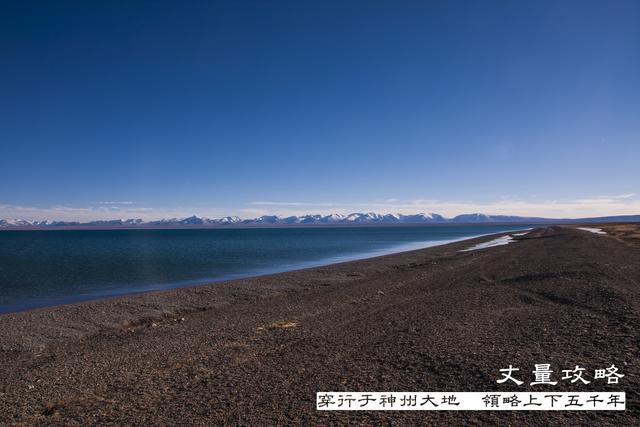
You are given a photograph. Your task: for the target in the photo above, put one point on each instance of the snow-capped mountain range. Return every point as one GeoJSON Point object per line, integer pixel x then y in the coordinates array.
{"type": "Point", "coordinates": [333, 219]}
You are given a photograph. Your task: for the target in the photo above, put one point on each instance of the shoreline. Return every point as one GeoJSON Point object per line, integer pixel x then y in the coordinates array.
{"type": "Point", "coordinates": [139, 307]}
{"type": "Point", "coordinates": [255, 351]}
{"type": "Point", "coordinates": [283, 268]}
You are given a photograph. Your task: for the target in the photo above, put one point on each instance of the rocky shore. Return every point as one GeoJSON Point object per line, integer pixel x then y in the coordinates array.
{"type": "Point", "coordinates": [256, 351]}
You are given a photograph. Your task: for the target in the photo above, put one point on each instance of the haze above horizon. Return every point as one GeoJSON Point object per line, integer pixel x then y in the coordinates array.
{"type": "Point", "coordinates": [160, 109]}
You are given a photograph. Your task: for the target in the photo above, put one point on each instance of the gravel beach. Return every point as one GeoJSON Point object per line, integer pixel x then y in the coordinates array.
{"type": "Point", "coordinates": [256, 351]}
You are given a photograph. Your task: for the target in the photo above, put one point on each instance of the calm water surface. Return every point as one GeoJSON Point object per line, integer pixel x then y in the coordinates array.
{"type": "Point", "coordinates": [44, 268]}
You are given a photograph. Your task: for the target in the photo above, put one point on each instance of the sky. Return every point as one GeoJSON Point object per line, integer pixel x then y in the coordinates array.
{"type": "Point", "coordinates": [157, 109]}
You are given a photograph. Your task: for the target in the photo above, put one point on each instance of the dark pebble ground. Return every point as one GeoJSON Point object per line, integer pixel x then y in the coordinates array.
{"type": "Point", "coordinates": [256, 351]}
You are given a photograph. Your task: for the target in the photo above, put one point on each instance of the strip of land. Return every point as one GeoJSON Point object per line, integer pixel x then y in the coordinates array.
{"type": "Point", "coordinates": [256, 351]}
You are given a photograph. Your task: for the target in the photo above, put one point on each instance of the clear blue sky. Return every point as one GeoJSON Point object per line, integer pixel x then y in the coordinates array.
{"type": "Point", "coordinates": [246, 107]}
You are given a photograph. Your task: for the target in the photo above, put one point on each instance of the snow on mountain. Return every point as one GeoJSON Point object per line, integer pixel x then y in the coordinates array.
{"type": "Point", "coordinates": [352, 217]}
{"type": "Point", "coordinates": [229, 220]}
{"type": "Point", "coordinates": [334, 219]}
{"type": "Point", "coordinates": [165, 221]}
{"type": "Point", "coordinates": [193, 220]}
{"type": "Point", "coordinates": [364, 217]}
{"type": "Point", "coordinates": [310, 219]}
{"type": "Point", "coordinates": [422, 217]}
{"type": "Point", "coordinates": [264, 219]}
{"type": "Point", "coordinates": [391, 217]}
{"type": "Point", "coordinates": [14, 223]}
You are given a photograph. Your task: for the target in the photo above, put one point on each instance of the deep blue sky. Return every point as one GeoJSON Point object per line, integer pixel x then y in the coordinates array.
{"type": "Point", "coordinates": [248, 107]}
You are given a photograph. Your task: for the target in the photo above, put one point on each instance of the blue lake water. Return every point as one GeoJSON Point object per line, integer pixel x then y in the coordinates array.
{"type": "Point", "coordinates": [45, 268]}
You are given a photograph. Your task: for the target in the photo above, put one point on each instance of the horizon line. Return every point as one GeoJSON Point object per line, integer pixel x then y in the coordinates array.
{"type": "Point", "coordinates": [334, 218]}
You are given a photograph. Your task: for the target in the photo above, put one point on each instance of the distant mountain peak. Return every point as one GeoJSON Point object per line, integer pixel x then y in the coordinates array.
{"type": "Point", "coordinates": [356, 218]}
